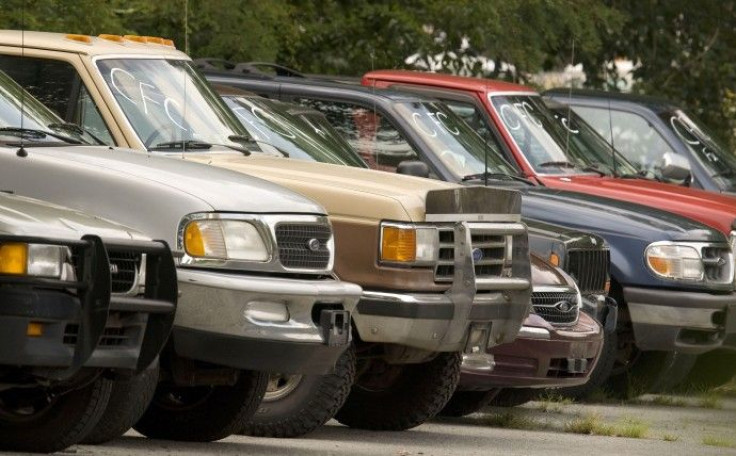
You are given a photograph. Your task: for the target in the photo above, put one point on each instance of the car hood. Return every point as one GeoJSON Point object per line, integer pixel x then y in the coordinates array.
{"type": "Point", "coordinates": [546, 275]}
{"type": "Point", "coordinates": [713, 209]}
{"type": "Point", "coordinates": [221, 190]}
{"type": "Point", "coordinates": [30, 217]}
{"type": "Point", "coordinates": [605, 216]}
{"type": "Point", "coordinates": [338, 188]}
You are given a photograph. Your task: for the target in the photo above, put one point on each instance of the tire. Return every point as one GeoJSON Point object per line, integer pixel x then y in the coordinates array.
{"type": "Point", "coordinates": [599, 376]}
{"type": "Point", "coordinates": [128, 401]}
{"type": "Point", "coordinates": [402, 397]}
{"type": "Point", "coordinates": [466, 402]}
{"type": "Point", "coordinates": [710, 370]}
{"type": "Point", "coordinates": [511, 397]}
{"type": "Point", "coordinates": [302, 403]}
{"type": "Point", "coordinates": [651, 371]}
{"type": "Point", "coordinates": [202, 413]}
{"type": "Point", "coordinates": [43, 427]}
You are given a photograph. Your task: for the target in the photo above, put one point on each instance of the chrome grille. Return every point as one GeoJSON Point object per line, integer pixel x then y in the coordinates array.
{"type": "Point", "coordinates": [589, 268]}
{"type": "Point", "coordinates": [557, 307]}
{"type": "Point", "coordinates": [490, 251]}
{"type": "Point", "coordinates": [124, 269]}
{"type": "Point", "coordinates": [294, 241]}
{"type": "Point", "coordinates": [718, 263]}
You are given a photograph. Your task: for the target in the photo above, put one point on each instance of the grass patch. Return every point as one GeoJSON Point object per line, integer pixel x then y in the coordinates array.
{"type": "Point", "coordinates": [670, 438]}
{"type": "Point", "coordinates": [551, 402]}
{"type": "Point", "coordinates": [667, 401]}
{"type": "Point", "coordinates": [591, 424]}
{"type": "Point", "coordinates": [711, 400]}
{"type": "Point", "coordinates": [632, 428]}
{"type": "Point", "coordinates": [511, 420]}
{"type": "Point", "coordinates": [718, 442]}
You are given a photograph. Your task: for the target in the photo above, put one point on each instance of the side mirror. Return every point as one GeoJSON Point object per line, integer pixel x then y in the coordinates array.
{"type": "Point", "coordinates": [674, 167]}
{"type": "Point", "coordinates": [413, 168]}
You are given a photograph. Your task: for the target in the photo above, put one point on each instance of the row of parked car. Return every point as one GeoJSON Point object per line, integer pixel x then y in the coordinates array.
{"type": "Point", "coordinates": [219, 248]}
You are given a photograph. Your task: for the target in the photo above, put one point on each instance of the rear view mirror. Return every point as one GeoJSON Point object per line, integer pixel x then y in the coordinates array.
{"type": "Point", "coordinates": [674, 167]}
{"type": "Point", "coordinates": [413, 168]}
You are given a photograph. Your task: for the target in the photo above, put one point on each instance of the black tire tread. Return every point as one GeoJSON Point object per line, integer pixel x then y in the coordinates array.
{"type": "Point", "coordinates": [331, 393]}
{"type": "Point", "coordinates": [512, 397]}
{"type": "Point", "coordinates": [61, 426]}
{"type": "Point", "coordinates": [224, 413]}
{"type": "Point", "coordinates": [128, 401]}
{"type": "Point", "coordinates": [425, 391]}
{"type": "Point", "coordinates": [464, 403]}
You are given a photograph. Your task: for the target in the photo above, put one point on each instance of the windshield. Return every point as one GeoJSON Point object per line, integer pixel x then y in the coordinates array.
{"type": "Point", "coordinates": [169, 104]}
{"type": "Point", "coordinates": [599, 152]}
{"type": "Point", "coordinates": [546, 143]}
{"type": "Point", "coordinates": [301, 133]}
{"type": "Point", "coordinates": [35, 116]}
{"type": "Point", "coordinates": [453, 141]}
{"type": "Point", "coordinates": [712, 155]}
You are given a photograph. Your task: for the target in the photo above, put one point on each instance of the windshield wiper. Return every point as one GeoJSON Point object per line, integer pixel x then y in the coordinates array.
{"type": "Point", "coordinates": [558, 164]}
{"type": "Point", "coordinates": [496, 176]}
{"type": "Point", "coordinates": [594, 167]}
{"type": "Point", "coordinates": [38, 134]}
{"type": "Point", "coordinates": [76, 129]}
{"type": "Point", "coordinates": [191, 144]}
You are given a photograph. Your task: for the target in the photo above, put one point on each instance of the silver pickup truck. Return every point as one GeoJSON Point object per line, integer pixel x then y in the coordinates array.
{"type": "Point", "coordinates": [87, 306]}
{"type": "Point", "coordinates": [254, 267]}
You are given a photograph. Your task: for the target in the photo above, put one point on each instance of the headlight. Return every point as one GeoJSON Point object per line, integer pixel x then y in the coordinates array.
{"type": "Point", "coordinates": [732, 242]}
{"type": "Point", "coordinates": [39, 260]}
{"type": "Point", "coordinates": [408, 244]}
{"type": "Point", "coordinates": [674, 261]}
{"type": "Point", "coordinates": [225, 240]}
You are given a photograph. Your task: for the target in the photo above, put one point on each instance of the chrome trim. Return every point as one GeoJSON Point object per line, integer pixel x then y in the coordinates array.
{"type": "Point", "coordinates": [530, 332]}
{"type": "Point", "coordinates": [265, 224]}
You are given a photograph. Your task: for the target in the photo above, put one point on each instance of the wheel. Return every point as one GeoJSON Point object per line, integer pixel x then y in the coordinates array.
{"type": "Point", "coordinates": [398, 397]}
{"type": "Point", "coordinates": [128, 401]}
{"type": "Point", "coordinates": [466, 402]}
{"type": "Point", "coordinates": [34, 420]}
{"type": "Point", "coordinates": [295, 405]}
{"type": "Point", "coordinates": [511, 397]}
{"type": "Point", "coordinates": [600, 373]}
{"type": "Point", "coordinates": [202, 413]}
{"type": "Point", "coordinates": [710, 370]}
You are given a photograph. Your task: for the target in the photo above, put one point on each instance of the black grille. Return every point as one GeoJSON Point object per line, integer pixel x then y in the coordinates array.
{"type": "Point", "coordinates": [111, 336]}
{"type": "Point", "coordinates": [294, 245]}
{"type": "Point", "coordinates": [490, 248]}
{"type": "Point", "coordinates": [589, 268]}
{"type": "Point", "coordinates": [559, 308]}
{"type": "Point", "coordinates": [717, 264]}
{"type": "Point", "coordinates": [124, 268]}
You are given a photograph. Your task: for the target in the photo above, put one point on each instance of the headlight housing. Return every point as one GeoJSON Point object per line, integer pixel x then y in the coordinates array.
{"type": "Point", "coordinates": [38, 260]}
{"type": "Point", "coordinates": [675, 261]}
{"type": "Point", "coordinates": [223, 239]}
{"type": "Point", "coordinates": [402, 243]}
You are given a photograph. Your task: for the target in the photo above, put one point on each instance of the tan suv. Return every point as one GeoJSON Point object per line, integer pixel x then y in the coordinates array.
{"type": "Point", "coordinates": [444, 268]}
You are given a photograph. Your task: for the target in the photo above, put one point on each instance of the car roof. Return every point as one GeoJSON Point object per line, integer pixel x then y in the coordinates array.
{"type": "Point", "coordinates": [654, 103]}
{"type": "Point", "coordinates": [447, 81]}
{"type": "Point", "coordinates": [333, 86]}
{"type": "Point", "coordinates": [89, 45]}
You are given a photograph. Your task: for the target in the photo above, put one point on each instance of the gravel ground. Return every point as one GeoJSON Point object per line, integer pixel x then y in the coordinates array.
{"type": "Point", "coordinates": [668, 425]}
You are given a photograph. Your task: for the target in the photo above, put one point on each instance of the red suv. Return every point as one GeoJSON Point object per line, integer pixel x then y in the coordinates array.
{"type": "Point", "coordinates": [547, 149]}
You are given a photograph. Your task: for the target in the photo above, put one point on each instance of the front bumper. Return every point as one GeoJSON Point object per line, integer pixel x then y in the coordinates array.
{"type": "Point", "coordinates": [87, 328]}
{"type": "Point", "coordinates": [542, 356]}
{"type": "Point", "coordinates": [262, 323]}
{"type": "Point", "coordinates": [688, 322]}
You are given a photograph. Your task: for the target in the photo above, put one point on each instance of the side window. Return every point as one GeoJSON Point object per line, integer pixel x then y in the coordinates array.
{"type": "Point", "coordinates": [379, 144]}
{"type": "Point", "coordinates": [57, 85]}
{"type": "Point", "coordinates": [633, 135]}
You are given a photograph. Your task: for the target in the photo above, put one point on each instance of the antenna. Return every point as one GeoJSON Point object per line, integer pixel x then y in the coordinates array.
{"type": "Point", "coordinates": [569, 96]}
{"type": "Point", "coordinates": [22, 152]}
{"type": "Point", "coordinates": [610, 129]}
{"type": "Point", "coordinates": [186, 27]}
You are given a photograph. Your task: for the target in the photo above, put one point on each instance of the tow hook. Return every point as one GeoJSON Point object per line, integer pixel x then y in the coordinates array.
{"type": "Point", "coordinates": [335, 325]}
